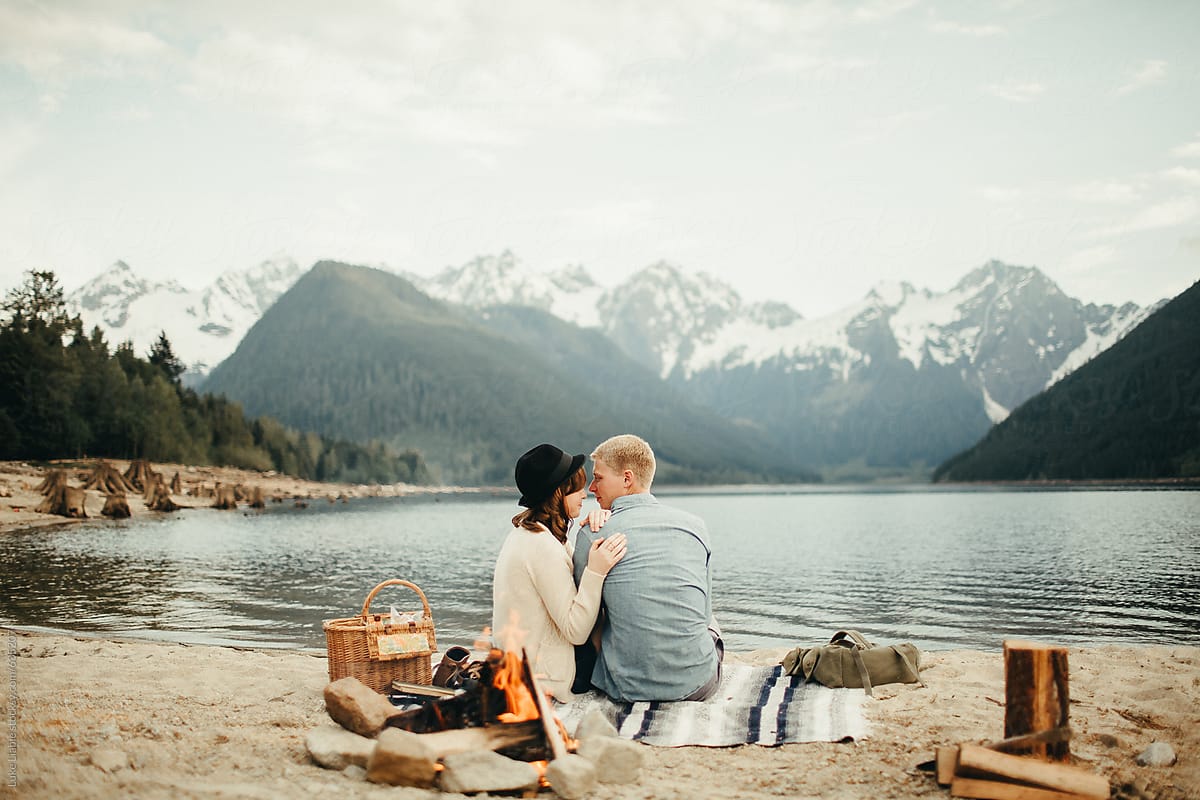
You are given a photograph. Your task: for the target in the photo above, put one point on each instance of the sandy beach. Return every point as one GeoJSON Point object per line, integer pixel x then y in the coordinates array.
{"type": "Point", "coordinates": [106, 718]}
{"type": "Point", "coordinates": [101, 717]}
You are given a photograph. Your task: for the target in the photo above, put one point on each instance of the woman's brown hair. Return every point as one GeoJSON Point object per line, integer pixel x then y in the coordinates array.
{"type": "Point", "coordinates": [552, 512]}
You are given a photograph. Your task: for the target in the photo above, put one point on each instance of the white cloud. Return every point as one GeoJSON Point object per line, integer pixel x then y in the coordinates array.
{"type": "Point", "coordinates": [1168, 214]}
{"type": "Point", "coordinates": [1106, 192]}
{"type": "Point", "coordinates": [17, 141]}
{"type": "Point", "coordinates": [1189, 150]}
{"type": "Point", "coordinates": [1016, 92]}
{"type": "Point", "coordinates": [953, 28]}
{"type": "Point", "coordinates": [48, 41]}
{"type": "Point", "coordinates": [1183, 175]}
{"type": "Point", "coordinates": [1150, 73]}
{"type": "Point", "coordinates": [1089, 258]}
{"type": "Point", "coordinates": [879, 10]}
{"type": "Point", "coordinates": [999, 194]}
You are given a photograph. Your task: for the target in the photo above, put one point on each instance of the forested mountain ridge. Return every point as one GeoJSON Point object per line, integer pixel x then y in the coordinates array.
{"type": "Point", "coordinates": [361, 353]}
{"type": "Point", "coordinates": [1133, 412]}
{"type": "Point", "coordinates": [64, 394]}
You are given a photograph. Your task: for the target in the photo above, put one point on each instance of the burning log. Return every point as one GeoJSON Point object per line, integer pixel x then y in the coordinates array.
{"type": "Point", "coordinates": [505, 696]}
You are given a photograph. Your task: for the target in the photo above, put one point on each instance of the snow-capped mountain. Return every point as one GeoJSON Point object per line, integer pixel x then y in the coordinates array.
{"type": "Point", "coordinates": [204, 326]}
{"type": "Point", "coordinates": [1009, 330]}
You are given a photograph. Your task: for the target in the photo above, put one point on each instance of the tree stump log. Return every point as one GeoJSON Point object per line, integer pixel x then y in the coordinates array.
{"type": "Point", "coordinates": [116, 507]}
{"type": "Point", "coordinates": [1036, 694]}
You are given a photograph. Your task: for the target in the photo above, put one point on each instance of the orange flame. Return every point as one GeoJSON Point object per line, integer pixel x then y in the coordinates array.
{"type": "Point", "coordinates": [508, 679]}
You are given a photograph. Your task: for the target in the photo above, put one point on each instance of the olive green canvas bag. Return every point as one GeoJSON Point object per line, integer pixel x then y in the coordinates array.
{"type": "Point", "coordinates": [850, 661]}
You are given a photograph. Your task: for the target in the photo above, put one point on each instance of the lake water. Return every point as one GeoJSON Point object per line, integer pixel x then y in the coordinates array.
{"type": "Point", "coordinates": [943, 568]}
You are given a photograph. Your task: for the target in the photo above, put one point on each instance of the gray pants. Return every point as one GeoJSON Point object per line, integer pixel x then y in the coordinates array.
{"type": "Point", "coordinates": [706, 691]}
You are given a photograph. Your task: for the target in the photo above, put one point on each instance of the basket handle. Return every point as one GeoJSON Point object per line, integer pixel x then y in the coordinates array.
{"type": "Point", "coordinates": [366, 609]}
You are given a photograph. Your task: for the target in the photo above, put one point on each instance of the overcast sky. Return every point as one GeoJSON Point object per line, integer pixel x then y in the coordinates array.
{"type": "Point", "coordinates": [799, 151]}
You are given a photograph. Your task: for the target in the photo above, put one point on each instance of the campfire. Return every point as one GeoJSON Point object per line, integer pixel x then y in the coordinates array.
{"type": "Point", "coordinates": [501, 702]}
{"type": "Point", "coordinates": [498, 733]}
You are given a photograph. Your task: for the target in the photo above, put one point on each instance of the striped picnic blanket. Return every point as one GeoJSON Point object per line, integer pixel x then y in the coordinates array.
{"type": "Point", "coordinates": [752, 705]}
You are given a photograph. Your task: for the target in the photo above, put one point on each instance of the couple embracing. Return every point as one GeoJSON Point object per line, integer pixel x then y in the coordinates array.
{"type": "Point", "coordinates": [631, 603]}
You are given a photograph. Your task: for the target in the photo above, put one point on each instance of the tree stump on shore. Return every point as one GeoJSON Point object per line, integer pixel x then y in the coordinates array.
{"type": "Point", "coordinates": [226, 499]}
{"type": "Point", "coordinates": [256, 498]}
{"type": "Point", "coordinates": [107, 479]}
{"type": "Point", "coordinates": [1036, 694]}
{"type": "Point", "coordinates": [160, 498]}
{"type": "Point", "coordinates": [139, 474]}
{"type": "Point", "coordinates": [116, 506]}
{"type": "Point", "coordinates": [65, 501]}
{"type": "Point", "coordinates": [176, 484]}
{"type": "Point", "coordinates": [55, 479]}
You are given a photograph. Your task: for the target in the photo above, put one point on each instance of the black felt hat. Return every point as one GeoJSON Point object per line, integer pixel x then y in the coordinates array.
{"type": "Point", "coordinates": [541, 470]}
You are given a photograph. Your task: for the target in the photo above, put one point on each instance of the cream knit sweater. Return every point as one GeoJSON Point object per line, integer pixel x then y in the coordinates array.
{"type": "Point", "coordinates": [535, 605]}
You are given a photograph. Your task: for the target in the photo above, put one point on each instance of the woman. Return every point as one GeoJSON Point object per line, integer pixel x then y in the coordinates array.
{"type": "Point", "coordinates": [535, 603]}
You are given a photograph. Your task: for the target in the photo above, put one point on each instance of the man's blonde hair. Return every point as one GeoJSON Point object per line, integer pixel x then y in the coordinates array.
{"type": "Point", "coordinates": [628, 452]}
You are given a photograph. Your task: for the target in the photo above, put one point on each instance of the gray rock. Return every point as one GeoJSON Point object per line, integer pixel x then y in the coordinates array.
{"type": "Point", "coordinates": [402, 759]}
{"type": "Point", "coordinates": [109, 759]}
{"type": "Point", "coordinates": [616, 760]}
{"type": "Point", "coordinates": [485, 771]}
{"type": "Point", "coordinates": [336, 748]}
{"type": "Point", "coordinates": [357, 707]}
{"type": "Point", "coordinates": [1158, 754]}
{"type": "Point", "coordinates": [594, 724]}
{"type": "Point", "coordinates": [1108, 740]}
{"type": "Point", "coordinates": [572, 777]}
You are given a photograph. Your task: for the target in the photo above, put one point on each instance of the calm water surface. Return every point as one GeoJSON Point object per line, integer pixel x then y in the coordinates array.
{"type": "Point", "coordinates": [942, 568]}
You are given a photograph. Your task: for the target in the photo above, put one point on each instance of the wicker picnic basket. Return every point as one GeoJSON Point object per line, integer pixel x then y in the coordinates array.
{"type": "Point", "coordinates": [377, 650]}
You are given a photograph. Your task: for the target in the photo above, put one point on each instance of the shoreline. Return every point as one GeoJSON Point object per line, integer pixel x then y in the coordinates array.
{"type": "Point", "coordinates": [105, 716]}
{"type": "Point", "coordinates": [19, 498]}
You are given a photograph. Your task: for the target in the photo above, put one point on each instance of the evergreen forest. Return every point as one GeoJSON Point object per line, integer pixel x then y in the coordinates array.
{"type": "Point", "coordinates": [1131, 413]}
{"type": "Point", "coordinates": [65, 393]}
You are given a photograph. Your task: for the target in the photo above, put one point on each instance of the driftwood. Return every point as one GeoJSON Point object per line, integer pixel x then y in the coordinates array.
{"type": "Point", "coordinates": [107, 479]}
{"type": "Point", "coordinates": [54, 480]}
{"type": "Point", "coordinates": [116, 506]}
{"type": "Point", "coordinates": [1036, 695]}
{"type": "Point", "coordinates": [139, 474]}
{"type": "Point", "coordinates": [65, 501]}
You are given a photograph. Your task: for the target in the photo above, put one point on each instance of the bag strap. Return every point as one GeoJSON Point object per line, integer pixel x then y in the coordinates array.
{"type": "Point", "coordinates": [856, 654]}
{"type": "Point", "coordinates": [854, 637]}
{"type": "Point", "coordinates": [911, 667]}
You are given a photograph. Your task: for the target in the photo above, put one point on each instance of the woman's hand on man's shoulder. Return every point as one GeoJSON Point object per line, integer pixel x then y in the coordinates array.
{"type": "Point", "coordinates": [596, 518]}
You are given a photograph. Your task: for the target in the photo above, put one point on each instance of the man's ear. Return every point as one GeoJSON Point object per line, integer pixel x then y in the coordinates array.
{"type": "Point", "coordinates": [628, 479]}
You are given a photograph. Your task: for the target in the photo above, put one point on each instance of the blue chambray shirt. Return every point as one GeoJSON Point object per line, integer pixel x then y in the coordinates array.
{"type": "Point", "coordinates": [655, 644]}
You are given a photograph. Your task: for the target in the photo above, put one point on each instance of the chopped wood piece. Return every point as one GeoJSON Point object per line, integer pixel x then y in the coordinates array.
{"type": "Point", "coordinates": [493, 737]}
{"type": "Point", "coordinates": [947, 762]}
{"type": "Point", "coordinates": [1000, 790]}
{"type": "Point", "coordinates": [548, 719]}
{"type": "Point", "coordinates": [1036, 694]}
{"type": "Point", "coordinates": [1045, 774]}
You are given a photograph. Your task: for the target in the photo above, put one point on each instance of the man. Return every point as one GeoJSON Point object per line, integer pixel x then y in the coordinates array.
{"type": "Point", "coordinates": [659, 640]}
